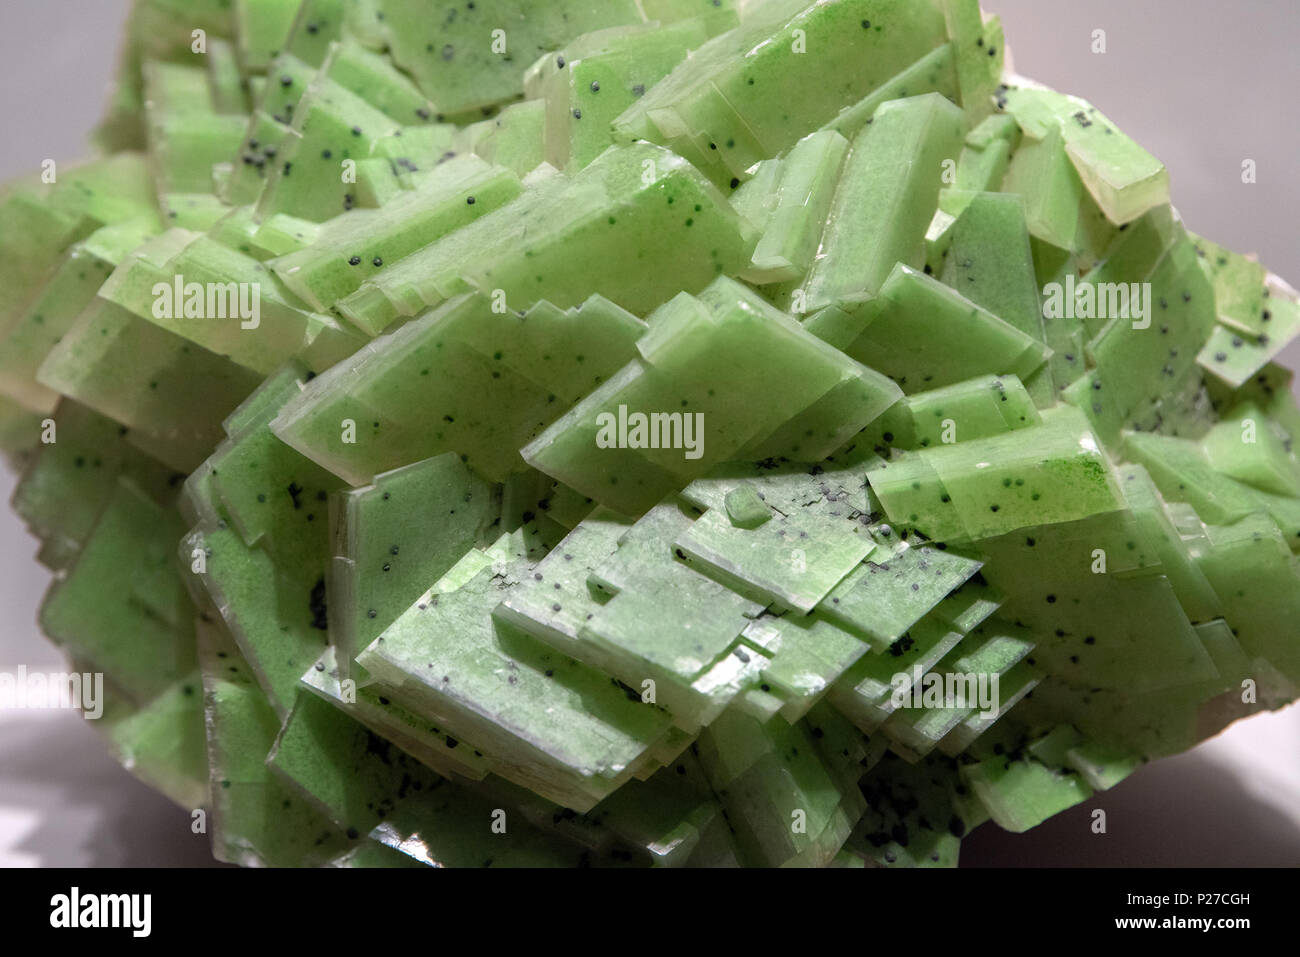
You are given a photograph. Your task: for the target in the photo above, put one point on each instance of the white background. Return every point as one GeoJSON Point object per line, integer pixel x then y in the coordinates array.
{"type": "Point", "coordinates": [1203, 85]}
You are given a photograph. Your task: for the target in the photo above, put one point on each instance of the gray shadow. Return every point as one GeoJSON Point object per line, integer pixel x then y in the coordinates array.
{"type": "Point", "coordinates": [1185, 811]}
{"type": "Point", "coordinates": [91, 811]}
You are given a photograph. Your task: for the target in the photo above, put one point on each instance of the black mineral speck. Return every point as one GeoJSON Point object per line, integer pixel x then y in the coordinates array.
{"type": "Point", "coordinates": [319, 618]}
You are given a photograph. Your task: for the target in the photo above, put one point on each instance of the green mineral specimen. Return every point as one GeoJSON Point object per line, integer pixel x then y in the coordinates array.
{"type": "Point", "coordinates": [672, 433]}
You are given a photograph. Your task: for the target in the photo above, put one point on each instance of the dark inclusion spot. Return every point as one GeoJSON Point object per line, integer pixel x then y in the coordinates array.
{"type": "Point", "coordinates": [316, 603]}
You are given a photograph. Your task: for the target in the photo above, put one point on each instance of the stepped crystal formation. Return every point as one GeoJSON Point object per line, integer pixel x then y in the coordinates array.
{"type": "Point", "coordinates": [638, 432]}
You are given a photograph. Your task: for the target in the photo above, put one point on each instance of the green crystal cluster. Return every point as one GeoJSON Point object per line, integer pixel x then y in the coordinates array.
{"type": "Point", "coordinates": [579, 432]}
